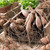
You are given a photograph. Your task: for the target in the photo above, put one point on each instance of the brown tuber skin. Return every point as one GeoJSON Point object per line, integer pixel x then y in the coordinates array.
{"type": "Point", "coordinates": [43, 20]}
{"type": "Point", "coordinates": [10, 40]}
{"type": "Point", "coordinates": [2, 21]}
{"type": "Point", "coordinates": [2, 17]}
{"type": "Point", "coordinates": [17, 21]}
{"type": "Point", "coordinates": [16, 26]}
{"type": "Point", "coordinates": [28, 22]}
{"type": "Point", "coordinates": [20, 27]}
{"type": "Point", "coordinates": [38, 21]}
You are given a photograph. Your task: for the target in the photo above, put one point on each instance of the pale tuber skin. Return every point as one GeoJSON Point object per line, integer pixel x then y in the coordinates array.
{"type": "Point", "coordinates": [25, 12]}
{"type": "Point", "coordinates": [38, 21]}
{"type": "Point", "coordinates": [43, 47]}
{"type": "Point", "coordinates": [43, 21]}
{"type": "Point", "coordinates": [27, 19]}
{"type": "Point", "coordinates": [28, 22]}
{"type": "Point", "coordinates": [46, 47]}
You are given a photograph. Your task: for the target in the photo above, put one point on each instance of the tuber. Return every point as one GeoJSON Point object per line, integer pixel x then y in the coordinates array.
{"type": "Point", "coordinates": [38, 21]}
{"type": "Point", "coordinates": [17, 21]}
{"type": "Point", "coordinates": [16, 26]}
{"type": "Point", "coordinates": [28, 22]}
{"type": "Point", "coordinates": [43, 20]}
{"type": "Point", "coordinates": [43, 47]}
{"type": "Point", "coordinates": [20, 27]}
{"type": "Point", "coordinates": [25, 12]}
{"type": "Point", "coordinates": [2, 35]}
{"type": "Point", "coordinates": [2, 21]}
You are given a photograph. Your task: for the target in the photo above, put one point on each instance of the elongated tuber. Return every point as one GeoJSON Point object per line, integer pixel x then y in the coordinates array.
{"type": "Point", "coordinates": [43, 20]}
{"type": "Point", "coordinates": [38, 21]}
{"type": "Point", "coordinates": [29, 17]}
{"type": "Point", "coordinates": [29, 21]}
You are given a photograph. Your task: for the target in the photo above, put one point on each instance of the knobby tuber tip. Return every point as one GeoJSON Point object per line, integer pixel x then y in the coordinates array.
{"type": "Point", "coordinates": [25, 13]}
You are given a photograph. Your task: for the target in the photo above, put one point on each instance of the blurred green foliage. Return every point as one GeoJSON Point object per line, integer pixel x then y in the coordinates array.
{"type": "Point", "coordinates": [32, 3]}
{"type": "Point", "coordinates": [6, 2]}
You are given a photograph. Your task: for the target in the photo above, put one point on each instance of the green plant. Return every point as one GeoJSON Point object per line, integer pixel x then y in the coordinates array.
{"type": "Point", "coordinates": [6, 2]}
{"type": "Point", "coordinates": [32, 3]}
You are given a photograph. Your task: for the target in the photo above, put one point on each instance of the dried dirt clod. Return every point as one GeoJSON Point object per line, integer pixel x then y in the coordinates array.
{"type": "Point", "coordinates": [6, 42]}
{"type": "Point", "coordinates": [6, 48]}
{"type": "Point", "coordinates": [2, 21]}
{"type": "Point", "coordinates": [44, 40]}
{"type": "Point", "coordinates": [43, 48]}
{"type": "Point", "coordinates": [38, 21]}
{"type": "Point", "coordinates": [2, 47]}
{"type": "Point", "coordinates": [10, 40]}
{"type": "Point", "coordinates": [48, 46]}
{"type": "Point", "coordinates": [2, 17]}
{"type": "Point", "coordinates": [2, 35]}
{"type": "Point", "coordinates": [48, 38]}
{"type": "Point", "coordinates": [1, 40]}
{"type": "Point", "coordinates": [20, 27]}
{"type": "Point", "coordinates": [11, 46]}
